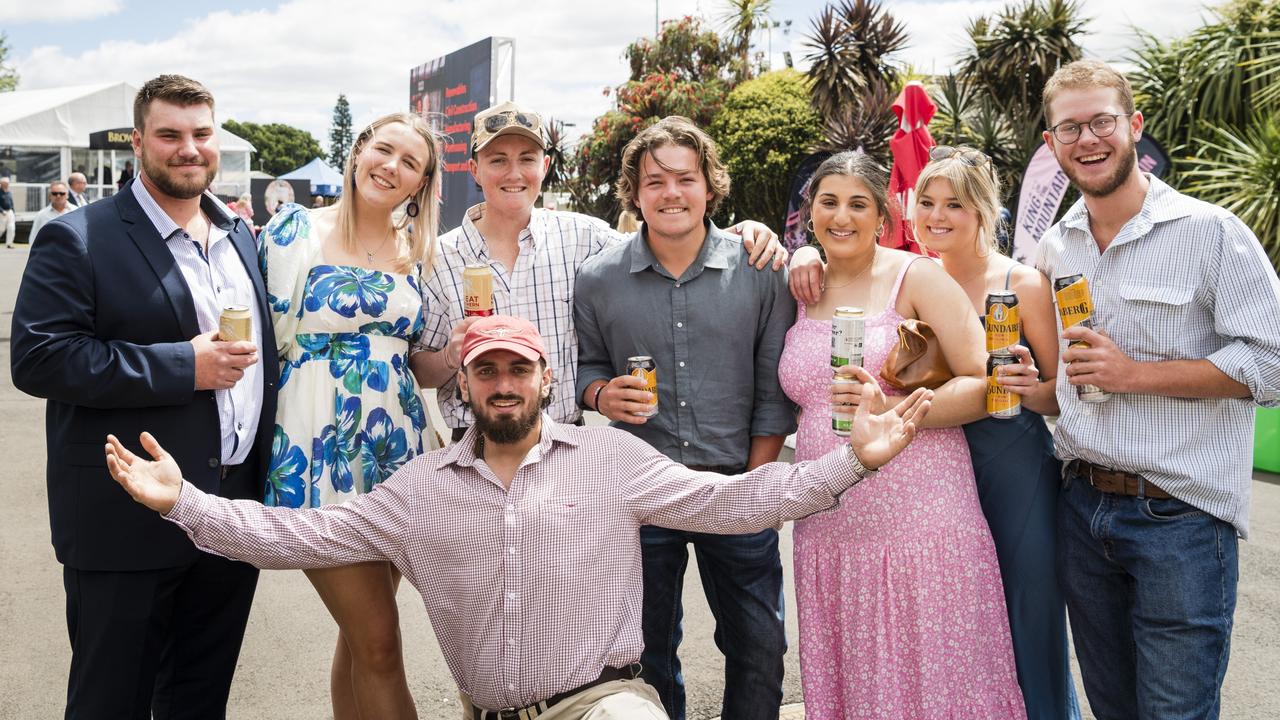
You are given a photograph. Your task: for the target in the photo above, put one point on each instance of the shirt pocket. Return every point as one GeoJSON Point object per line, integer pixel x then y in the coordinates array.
{"type": "Point", "coordinates": [1158, 316]}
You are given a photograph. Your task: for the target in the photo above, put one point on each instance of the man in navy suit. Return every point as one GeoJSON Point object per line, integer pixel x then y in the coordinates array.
{"type": "Point", "coordinates": [116, 325]}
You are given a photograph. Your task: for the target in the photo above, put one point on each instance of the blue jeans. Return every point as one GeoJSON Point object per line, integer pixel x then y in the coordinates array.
{"type": "Point", "coordinates": [1150, 587]}
{"type": "Point", "coordinates": [742, 577]}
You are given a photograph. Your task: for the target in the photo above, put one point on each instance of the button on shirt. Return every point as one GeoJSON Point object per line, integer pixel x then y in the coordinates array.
{"type": "Point", "coordinates": [1182, 280]}
{"type": "Point", "coordinates": [217, 280]}
{"type": "Point", "coordinates": [715, 333]}
{"type": "Point", "coordinates": [532, 591]}
{"type": "Point", "coordinates": [539, 289]}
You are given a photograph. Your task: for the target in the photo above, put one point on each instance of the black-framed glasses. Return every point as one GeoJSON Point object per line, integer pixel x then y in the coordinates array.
{"type": "Point", "coordinates": [1104, 125]}
{"type": "Point", "coordinates": [972, 157]}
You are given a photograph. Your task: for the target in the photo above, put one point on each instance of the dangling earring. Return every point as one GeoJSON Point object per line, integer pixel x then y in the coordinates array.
{"type": "Point", "coordinates": [411, 209]}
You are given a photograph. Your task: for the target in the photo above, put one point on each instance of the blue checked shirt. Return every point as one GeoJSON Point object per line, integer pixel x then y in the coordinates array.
{"type": "Point", "coordinates": [1183, 280]}
{"type": "Point", "coordinates": [539, 289]}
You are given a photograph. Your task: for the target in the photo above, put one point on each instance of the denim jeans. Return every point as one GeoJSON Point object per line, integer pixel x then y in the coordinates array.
{"type": "Point", "coordinates": [1150, 587]}
{"type": "Point", "coordinates": [742, 578]}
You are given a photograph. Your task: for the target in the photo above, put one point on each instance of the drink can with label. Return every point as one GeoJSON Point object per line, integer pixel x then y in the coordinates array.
{"type": "Point", "coordinates": [842, 415]}
{"type": "Point", "coordinates": [235, 323]}
{"type": "Point", "coordinates": [1001, 320]}
{"type": "Point", "coordinates": [477, 290]}
{"type": "Point", "coordinates": [1075, 307]}
{"type": "Point", "coordinates": [848, 326]}
{"type": "Point", "coordinates": [643, 367]}
{"type": "Point", "coordinates": [1001, 402]}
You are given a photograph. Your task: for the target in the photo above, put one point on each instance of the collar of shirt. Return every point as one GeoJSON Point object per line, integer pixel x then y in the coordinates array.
{"type": "Point", "coordinates": [473, 241]}
{"type": "Point", "coordinates": [219, 214]}
{"type": "Point", "coordinates": [718, 251]}
{"type": "Point", "coordinates": [463, 452]}
{"type": "Point", "coordinates": [1161, 204]}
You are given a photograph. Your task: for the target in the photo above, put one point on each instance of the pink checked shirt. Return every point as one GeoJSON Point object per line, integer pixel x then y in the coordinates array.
{"type": "Point", "coordinates": [532, 591]}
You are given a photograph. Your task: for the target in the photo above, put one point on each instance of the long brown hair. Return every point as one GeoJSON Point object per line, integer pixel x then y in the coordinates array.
{"type": "Point", "coordinates": [415, 237]}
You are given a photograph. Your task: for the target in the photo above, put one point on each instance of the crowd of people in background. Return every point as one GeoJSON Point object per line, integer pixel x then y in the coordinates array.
{"type": "Point", "coordinates": [939, 552]}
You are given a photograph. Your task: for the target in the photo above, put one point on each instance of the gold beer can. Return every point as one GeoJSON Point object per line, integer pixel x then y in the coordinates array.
{"type": "Point", "coordinates": [1075, 307]}
{"type": "Point", "coordinates": [643, 367]}
{"type": "Point", "coordinates": [1001, 321]}
{"type": "Point", "coordinates": [235, 324]}
{"type": "Point", "coordinates": [1001, 402]}
{"type": "Point", "coordinates": [477, 290]}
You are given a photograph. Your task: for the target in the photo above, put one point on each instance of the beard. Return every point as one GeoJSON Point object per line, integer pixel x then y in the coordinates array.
{"type": "Point", "coordinates": [1111, 183]}
{"type": "Point", "coordinates": [507, 429]}
{"type": "Point", "coordinates": [174, 186]}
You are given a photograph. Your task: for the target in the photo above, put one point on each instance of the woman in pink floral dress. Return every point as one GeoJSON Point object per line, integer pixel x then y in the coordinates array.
{"type": "Point", "coordinates": [900, 604]}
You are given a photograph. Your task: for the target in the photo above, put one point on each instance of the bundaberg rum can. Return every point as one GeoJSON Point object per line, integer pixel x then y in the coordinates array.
{"type": "Point", "coordinates": [235, 323]}
{"type": "Point", "coordinates": [477, 290]}
{"type": "Point", "coordinates": [1075, 307]}
{"type": "Point", "coordinates": [1001, 403]}
{"type": "Point", "coordinates": [643, 367]}
{"type": "Point", "coordinates": [1001, 320]}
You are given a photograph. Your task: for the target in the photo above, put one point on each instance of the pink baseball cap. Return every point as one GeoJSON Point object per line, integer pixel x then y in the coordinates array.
{"type": "Point", "coordinates": [502, 332]}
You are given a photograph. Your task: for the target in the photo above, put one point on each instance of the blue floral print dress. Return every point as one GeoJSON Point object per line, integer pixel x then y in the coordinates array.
{"type": "Point", "coordinates": [350, 413]}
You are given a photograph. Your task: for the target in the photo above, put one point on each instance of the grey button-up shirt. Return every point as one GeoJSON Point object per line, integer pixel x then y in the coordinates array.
{"type": "Point", "coordinates": [716, 333]}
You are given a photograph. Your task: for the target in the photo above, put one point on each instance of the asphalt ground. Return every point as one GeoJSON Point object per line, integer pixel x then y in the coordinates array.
{"type": "Point", "coordinates": [283, 670]}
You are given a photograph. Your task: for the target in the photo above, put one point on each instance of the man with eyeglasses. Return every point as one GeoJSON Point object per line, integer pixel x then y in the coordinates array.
{"type": "Point", "coordinates": [1186, 338]}
{"type": "Point", "coordinates": [57, 206]}
{"type": "Point", "coordinates": [533, 254]}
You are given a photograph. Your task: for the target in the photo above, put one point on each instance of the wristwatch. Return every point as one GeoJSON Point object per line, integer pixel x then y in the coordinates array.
{"type": "Point", "coordinates": [858, 468]}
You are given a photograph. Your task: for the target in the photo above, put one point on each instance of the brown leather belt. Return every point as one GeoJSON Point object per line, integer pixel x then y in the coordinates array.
{"type": "Point", "coordinates": [609, 674]}
{"type": "Point", "coordinates": [1116, 482]}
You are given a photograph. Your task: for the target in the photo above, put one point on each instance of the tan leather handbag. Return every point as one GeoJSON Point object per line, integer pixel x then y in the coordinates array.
{"type": "Point", "coordinates": [917, 360]}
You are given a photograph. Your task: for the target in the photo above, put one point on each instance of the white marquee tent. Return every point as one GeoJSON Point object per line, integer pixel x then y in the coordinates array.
{"type": "Point", "coordinates": [44, 136]}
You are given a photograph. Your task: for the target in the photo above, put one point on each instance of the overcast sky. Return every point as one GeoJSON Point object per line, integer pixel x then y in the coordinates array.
{"type": "Point", "coordinates": [287, 61]}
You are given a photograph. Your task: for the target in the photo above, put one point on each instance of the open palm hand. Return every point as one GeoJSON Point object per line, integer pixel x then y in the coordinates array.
{"type": "Point", "coordinates": [154, 483]}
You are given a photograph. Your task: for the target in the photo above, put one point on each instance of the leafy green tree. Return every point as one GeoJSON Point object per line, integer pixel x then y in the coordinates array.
{"type": "Point", "coordinates": [1213, 96]}
{"type": "Point", "coordinates": [764, 130]}
{"type": "Point", "coordinates": [278, 148]}
{"type": "Point", "coordinates": [740, 21]}
{"type": "Point", "coordinates": [8, 76]}
{"type": "Point", "coordinates": [853, 79]}
{"type": "Point", "coordinates": [686, 71]}
{"type": "Point", "coordinates": [340, 133]}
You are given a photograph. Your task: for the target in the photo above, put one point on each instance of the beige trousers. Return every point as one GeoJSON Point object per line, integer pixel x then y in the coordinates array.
{"type": "Point", "coordinates": [616, 700]}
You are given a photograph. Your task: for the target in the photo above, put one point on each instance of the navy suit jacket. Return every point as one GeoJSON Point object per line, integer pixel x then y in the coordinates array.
{"type": "Point", "coordinates": [101, 329]}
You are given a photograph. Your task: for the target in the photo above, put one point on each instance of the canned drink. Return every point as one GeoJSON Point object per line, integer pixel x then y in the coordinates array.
{"type": "Point", "coordinates": [842, 415]}
{"type": "Point", "coordinates": [848, 326]}
{"type": "Point", "coordinates": [1075, 307]}
{"type": "Point", "coordinates": [477, 290]}
{"type": "Point", "coordinates": [1004, 328]}
{"type": "Point", "coordinates": [235, 323]}
{"type": "Point", "coordinates": [643, 367]}
{"type": "Point", "coordinates": [1001, 402]}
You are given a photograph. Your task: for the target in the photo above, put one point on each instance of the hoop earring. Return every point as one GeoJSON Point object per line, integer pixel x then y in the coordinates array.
{"type": "Point", "coordinates": [879, 232]}
{"type": "Point", "coordinates": [411, 209]}
{"type": "Point", "coordinates": [809, 225]}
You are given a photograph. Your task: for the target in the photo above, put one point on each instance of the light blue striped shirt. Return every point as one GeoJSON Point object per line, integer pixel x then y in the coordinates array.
{"type": "Point", "coordinates": [216, 281]}
{"type": "Point", "coordinates": [1182, 280]}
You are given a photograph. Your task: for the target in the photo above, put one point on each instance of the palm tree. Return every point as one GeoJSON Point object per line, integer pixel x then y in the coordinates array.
{"type": "Point", "coordinates": [1240, 170]}
{"type": "Point", "coordinates": [740, 21]}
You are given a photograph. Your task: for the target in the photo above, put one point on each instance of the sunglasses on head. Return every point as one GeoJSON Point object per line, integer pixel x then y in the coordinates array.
{"type": "Point", "coordinates": [494, 123]}
{"type": "Point", "coordinates": [967, 155]}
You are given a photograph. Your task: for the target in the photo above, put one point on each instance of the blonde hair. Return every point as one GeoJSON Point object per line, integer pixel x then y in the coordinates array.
{"type": "Point", "coordinates": [682, 132]}
{"type": "Point", "coordinates": [415, 236]}
{"type": "Point", "coordinates": [976, 188]}
{"type": "Point", "coordinates": [1083, 75]}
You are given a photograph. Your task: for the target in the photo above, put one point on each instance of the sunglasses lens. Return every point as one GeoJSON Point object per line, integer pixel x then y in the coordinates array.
{"type": "Point", "coordinates": [524, 120]}
{"type": "Point", "coordinates": [494, 123]}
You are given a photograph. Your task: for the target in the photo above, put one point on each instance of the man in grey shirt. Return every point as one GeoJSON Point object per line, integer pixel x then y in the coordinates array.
{"type": "Point", "coordinates": [682, 292]}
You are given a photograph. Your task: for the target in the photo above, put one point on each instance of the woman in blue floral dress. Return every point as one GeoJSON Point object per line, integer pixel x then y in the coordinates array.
{"type": "Point", "coordinates": [343, 283]}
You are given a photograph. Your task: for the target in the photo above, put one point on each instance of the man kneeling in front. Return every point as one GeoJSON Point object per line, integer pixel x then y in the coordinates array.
{"type": "Point", "coordinates": [523, 537]}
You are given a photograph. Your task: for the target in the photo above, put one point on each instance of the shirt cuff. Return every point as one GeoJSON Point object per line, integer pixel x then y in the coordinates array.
{"type": "Point", "coordinates": [586, 376]}
{"type": "Point", "coordinates": [837, 469]}
{"type": "Point", "coordinates": [1237, 362]}
{"type": "Point", "coordinates": [191, 506]}
{"type": "Point", "coordinates": [773, 418]}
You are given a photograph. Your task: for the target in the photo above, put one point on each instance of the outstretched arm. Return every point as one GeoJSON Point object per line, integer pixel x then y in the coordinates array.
{"type": "Point", "coordinates": [371, 527]}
